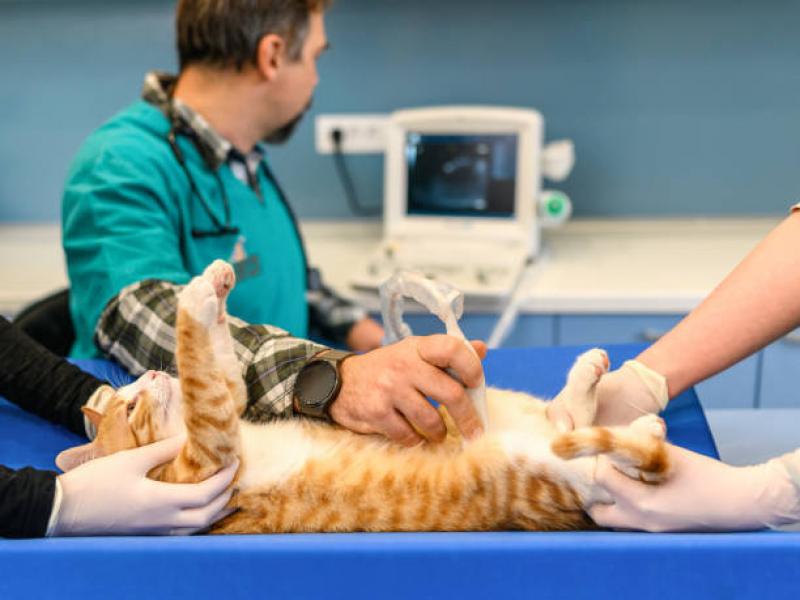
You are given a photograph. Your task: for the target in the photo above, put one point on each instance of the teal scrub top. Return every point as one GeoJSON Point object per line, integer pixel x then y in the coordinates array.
{"type": "Point", "coordinates": [128, 212]}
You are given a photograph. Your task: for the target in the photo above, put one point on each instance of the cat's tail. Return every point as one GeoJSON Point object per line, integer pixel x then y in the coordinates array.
{"type": "Point", "coordinates": [637, 450]}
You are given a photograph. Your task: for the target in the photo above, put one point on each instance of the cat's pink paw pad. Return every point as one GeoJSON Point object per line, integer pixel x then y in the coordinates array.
{"type": "Point", "coordinates": [221, 276]}
{"type": "Point", "coordinates": [199, 299]}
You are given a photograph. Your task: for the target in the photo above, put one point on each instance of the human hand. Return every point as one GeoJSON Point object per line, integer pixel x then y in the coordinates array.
{"type": "Point", "coordinates": [113, 496]}
{"type": "Point", "coordinates": [365, 335]}
{"type": "Point", "coordinates": [384, 391]}
{"type": "Point", "coordinates": [701, 494]}
{"type": "Point", "coordinates": [622, 396]}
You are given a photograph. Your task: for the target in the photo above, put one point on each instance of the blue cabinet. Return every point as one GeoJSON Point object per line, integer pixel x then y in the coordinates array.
{"type": "Point", "coordinates": [529, 330]}
{"type": "Point", "coordinates": [735, 387]}
{"type": "Point", "coordinates": [779, 382]}
{"type": "Point", "coordinates": [612, 329]}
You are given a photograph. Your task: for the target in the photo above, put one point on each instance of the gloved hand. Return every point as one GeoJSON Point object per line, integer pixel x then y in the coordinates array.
{"type": "Point", "coordinates": [701, 494]}
{"type": "Point", "coordinates": [622, 396]}
{"type": "Point", "coordinates": [113, 496]}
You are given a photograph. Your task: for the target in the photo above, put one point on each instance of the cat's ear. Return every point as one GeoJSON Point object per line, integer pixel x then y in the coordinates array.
{"type": "Point", "coordinates": [93, 416]}
{"type": "Point", "coordinates": [75, 457]}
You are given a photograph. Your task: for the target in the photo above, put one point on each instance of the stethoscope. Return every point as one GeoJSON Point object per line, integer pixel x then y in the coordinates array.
{"type": "Point", "coordinates": [220, 229]}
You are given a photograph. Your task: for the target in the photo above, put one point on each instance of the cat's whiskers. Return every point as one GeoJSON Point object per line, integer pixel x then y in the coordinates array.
{"type": "Point", "coordinates": [171, 369]}
{"type": "Point", "coordinates": [115, 380]}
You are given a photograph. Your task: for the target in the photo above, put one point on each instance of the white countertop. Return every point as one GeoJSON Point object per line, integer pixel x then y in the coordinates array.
{"type": "Point", "coordinates": [31, 264]}
{"type": "Point", "coordinates": [634, 266]}
{"type": "Point", "coordinates": [588, 266]}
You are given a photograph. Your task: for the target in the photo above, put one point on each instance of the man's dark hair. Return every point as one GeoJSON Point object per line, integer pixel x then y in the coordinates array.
{"type": "Point", "coordinates": [226, 33]}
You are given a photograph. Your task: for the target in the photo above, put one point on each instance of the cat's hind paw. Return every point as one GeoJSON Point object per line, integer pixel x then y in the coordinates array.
{"type": "Point", "coordinates": [638, 450]}
{"type": "Point", "coordinates": [650, 425]}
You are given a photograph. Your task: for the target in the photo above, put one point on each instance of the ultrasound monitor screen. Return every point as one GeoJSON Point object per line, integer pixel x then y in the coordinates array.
{"type": "Point", "coordinates": [461, 175]}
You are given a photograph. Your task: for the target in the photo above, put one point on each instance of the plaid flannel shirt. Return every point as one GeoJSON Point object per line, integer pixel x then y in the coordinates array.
{"type": "Point", "coordinates": [216, 150]}
{"type": "Point", "coordinates": [137, 328]}
{"type": "Point", "coordinates": [330, 315]}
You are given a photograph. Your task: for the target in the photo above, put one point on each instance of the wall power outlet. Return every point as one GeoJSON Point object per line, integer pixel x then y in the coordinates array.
{"type": "Point", "coordinates": [361, 133]}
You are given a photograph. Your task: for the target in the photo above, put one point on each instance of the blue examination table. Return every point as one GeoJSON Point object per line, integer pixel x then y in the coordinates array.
{"type": "Point", "coordinates": [571, 566]}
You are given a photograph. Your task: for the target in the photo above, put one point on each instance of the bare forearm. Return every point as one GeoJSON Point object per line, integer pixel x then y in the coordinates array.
{"type": "Point", "coordinates": [755, 304]}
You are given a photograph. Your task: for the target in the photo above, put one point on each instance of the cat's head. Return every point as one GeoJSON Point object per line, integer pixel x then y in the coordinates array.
{"type": "Point", "coordinates": [143, 412]}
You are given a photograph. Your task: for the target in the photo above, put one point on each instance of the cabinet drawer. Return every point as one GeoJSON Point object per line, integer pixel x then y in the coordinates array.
{"type": "Point", "coordinates": [473, 326]}
{"type": "Point", "coordinates": [779, 381]}
{"type": "Point", "coordinates": [529, 330]}
{"type": "Point", "coordinates": [733, 388]}
{"type": "Point", "coordinates": [573, 330]}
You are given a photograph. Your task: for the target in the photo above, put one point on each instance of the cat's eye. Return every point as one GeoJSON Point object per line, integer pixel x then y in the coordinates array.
{"type": "Point", "coordinates": [131, 406]}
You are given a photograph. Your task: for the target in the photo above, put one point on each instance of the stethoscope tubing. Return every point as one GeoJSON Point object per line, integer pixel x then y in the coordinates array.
{"type": "Point", "coordinates": [223, 229]}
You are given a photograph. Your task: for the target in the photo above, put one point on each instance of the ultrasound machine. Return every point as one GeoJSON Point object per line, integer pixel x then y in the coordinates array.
{"type": "Point", "coordinates": [462, 187]}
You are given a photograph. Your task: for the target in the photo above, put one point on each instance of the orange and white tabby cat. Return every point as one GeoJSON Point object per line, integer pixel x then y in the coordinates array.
{"type": "Point", "coordinates": [302, 476]}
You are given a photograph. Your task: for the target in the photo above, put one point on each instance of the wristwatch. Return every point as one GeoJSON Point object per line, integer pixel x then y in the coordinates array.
{"type": "Point", "coordinates": [318, 384]}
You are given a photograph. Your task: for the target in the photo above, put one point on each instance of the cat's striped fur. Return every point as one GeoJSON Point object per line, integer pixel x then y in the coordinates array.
{"type": "Point", "coordinates": [304, 476]}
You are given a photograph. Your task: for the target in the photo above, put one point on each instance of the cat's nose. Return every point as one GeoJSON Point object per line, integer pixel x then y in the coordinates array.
{"type": "Point", "coordinates": [151, 374]}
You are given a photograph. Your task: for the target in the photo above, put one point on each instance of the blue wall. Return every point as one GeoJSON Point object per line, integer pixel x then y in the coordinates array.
{"type": "Point", "coordinates": [682, 107]}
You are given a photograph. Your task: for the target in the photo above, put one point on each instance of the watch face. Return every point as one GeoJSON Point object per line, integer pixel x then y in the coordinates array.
{"type": "Point", "coordinates": [316, 383]}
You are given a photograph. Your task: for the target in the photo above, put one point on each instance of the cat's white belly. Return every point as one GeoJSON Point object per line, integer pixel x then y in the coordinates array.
{"type": "Point", "coordinates": [578, 472]}
{"type": "Point", "coordinates": [521, 425]}
{"type": "Point", "coordinates": [273, 453]}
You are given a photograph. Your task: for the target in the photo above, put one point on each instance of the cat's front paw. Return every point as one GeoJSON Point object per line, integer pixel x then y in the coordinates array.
{"type": "Point", "coordinates": [221, 276]}
{"type": "Point", "coordinates": [199, 300]}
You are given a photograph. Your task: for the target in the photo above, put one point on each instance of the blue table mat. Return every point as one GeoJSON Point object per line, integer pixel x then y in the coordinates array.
{"type": "Point", "coordinates": [572, 565]}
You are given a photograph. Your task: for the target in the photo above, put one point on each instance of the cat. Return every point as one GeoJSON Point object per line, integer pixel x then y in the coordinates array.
{"type": "Point", "coordinates": [301, 475]}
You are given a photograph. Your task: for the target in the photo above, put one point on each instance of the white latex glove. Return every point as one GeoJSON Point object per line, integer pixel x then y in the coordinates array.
{"type": "Point", "coordinates": [622, 396]}
{"type": "Point", "coordinates": [113, 496]}
{"type": "Point", "coordinates": [701, 494]}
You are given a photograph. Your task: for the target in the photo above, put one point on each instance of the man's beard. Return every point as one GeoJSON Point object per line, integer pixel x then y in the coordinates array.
{"type": "Point", "coordinates": [282, 134]}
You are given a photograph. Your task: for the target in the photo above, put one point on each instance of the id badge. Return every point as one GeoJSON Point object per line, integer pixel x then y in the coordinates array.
{"type": "Point", "coordinates": [247, 268]}
{"type": "Point", "coordinates": [244, 265]}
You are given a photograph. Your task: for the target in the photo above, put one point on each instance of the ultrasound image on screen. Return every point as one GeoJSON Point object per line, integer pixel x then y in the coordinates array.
{"type": "Point", "coordinates": [461, 175]}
